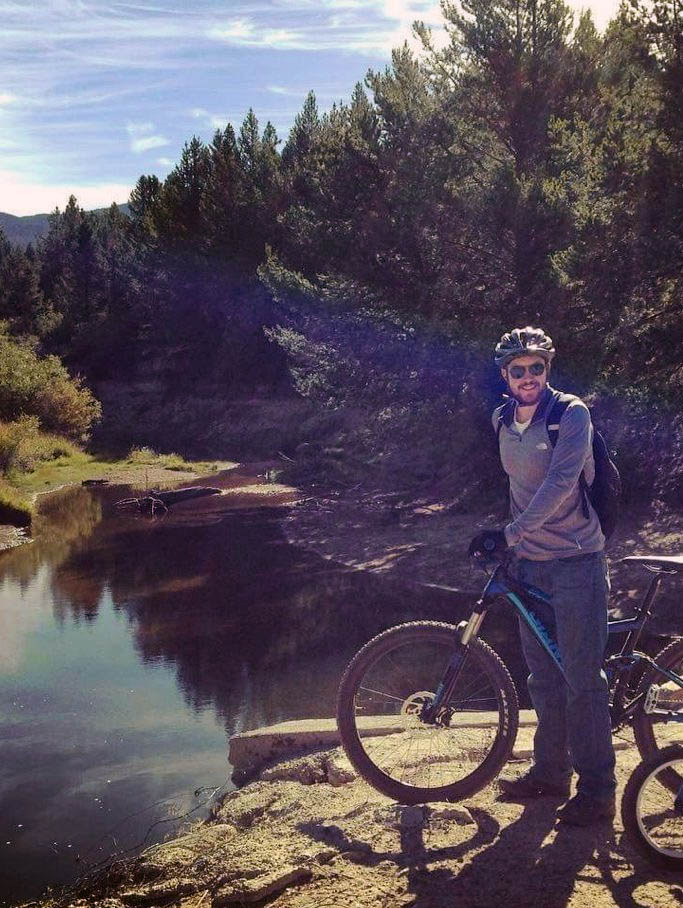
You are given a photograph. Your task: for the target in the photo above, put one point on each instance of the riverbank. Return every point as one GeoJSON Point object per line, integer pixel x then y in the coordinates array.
{"type": "Point", "coordinates": [143, 469]}
{"type": "Point", "coordinates": [419, 538]}
{"type": "Point", "coordinates": [308, 833]}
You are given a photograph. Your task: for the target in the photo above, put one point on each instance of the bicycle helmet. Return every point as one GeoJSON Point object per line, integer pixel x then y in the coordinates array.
{"type": "Point", "coordinates": [523, 342]}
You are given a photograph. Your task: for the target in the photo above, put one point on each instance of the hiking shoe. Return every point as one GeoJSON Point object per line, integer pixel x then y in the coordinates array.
{"type": "Point", "coordinates": [529, 785]}
{"type": "Point", "coordinates": [583, 810]}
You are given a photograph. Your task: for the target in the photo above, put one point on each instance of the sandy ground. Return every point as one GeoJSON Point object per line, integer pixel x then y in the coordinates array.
{"type": "Point", "coordinates": [309, 834]}
{"type": "Point", "coordinates": [425, 540]}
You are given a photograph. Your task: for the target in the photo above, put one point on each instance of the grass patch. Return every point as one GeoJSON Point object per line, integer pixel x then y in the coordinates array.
{"type": "Point", "coordinates": [14, 508]}
{"type": "Point", "coordinates": [148, 457]}
{"type": "Point", "coordinates": [78, 466]}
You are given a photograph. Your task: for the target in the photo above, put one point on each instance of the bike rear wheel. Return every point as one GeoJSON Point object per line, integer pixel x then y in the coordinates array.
{"type": "Point", "coordinates": [387, 685]}
{"type": "Point", "coordinates": [653, 732]}
{"type": "Point", "coordinates": [650, 813]}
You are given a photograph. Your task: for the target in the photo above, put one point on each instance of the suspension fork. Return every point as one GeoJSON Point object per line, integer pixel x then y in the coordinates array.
{"type": "Point", "coordinates": [467, 631]}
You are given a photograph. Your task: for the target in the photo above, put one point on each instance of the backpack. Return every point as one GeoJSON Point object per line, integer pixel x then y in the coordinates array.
{"type": "Point", "coordinates": [604, 493]}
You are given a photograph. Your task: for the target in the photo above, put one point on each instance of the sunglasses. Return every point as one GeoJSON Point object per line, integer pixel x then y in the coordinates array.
{"type": "Point", "coordinates": [518, 372]}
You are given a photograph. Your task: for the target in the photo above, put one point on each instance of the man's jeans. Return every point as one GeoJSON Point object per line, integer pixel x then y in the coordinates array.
{"type": "Point", "coordinates": [573, 720]}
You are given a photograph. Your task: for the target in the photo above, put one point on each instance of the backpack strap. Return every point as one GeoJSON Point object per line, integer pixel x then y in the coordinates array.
{"type": "Point", "coordinates": [554, 415]}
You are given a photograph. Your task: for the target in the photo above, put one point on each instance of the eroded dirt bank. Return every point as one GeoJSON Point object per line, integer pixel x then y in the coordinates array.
{"type": "Point", "coordinates": [309, 834]}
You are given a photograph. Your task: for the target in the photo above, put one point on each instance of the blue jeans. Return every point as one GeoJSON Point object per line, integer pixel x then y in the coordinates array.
{"type": "Point", "coordinates": [573, 719]}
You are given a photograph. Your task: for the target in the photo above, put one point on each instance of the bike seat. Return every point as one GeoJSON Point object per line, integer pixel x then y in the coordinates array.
{"type": "Point", "coordinates": [670, 563]}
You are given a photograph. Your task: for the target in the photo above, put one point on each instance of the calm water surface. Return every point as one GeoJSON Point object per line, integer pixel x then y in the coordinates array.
{"type": "Point", "coordinates": [131, 651]}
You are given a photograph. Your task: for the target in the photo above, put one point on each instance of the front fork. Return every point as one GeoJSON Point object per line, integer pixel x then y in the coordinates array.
{"type": "Point", "coordinates": [467, 631]}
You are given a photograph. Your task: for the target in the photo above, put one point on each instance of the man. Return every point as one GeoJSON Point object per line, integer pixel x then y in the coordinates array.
{"type": "Point", "coordinates": [558, 546]}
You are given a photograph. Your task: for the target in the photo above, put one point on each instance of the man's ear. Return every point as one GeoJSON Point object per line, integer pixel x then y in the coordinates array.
{"type": "Point", "coordinates": [504, 374]}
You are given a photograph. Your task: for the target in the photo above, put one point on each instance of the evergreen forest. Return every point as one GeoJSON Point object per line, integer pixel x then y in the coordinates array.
{"type": "Point", "coordinates": [530, 171]}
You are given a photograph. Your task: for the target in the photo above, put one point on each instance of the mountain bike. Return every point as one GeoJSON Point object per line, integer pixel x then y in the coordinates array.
{"type": "Point", "coordinates": [427, 711]}
{"type": "Point", "coordinates": [652, 808]}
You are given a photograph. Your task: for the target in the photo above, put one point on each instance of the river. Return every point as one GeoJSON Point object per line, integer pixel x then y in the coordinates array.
{"type": "Point", "coordinates": [131, 650]}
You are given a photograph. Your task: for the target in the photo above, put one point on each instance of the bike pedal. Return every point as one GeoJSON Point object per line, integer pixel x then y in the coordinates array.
{"type": "Point", "coordinates": [651, 698]}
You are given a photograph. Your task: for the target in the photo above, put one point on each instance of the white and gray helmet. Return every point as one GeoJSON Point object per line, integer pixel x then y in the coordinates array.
{"type": "Point", "coordinates": [523, 342]}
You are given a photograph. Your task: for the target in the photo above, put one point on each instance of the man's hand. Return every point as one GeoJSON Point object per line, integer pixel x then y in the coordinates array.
{"type": "Point", "coordinates": [489, 544]}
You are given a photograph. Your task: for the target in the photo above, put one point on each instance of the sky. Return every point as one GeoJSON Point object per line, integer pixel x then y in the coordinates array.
{"type": "Point", "coordinates": [94, 93]}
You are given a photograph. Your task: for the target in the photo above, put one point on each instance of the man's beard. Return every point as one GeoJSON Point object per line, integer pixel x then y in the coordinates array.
{"type": "Point", "coordinates": [526, 402]}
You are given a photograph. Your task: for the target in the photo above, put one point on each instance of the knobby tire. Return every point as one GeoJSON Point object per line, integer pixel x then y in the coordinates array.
{"type": "Point", "coordinates": [391, 646]}
{"type": "Point", "coordinates": [650, 787]}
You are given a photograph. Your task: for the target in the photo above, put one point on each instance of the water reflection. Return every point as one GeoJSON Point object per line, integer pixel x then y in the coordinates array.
{"type": "Point", "coordinates": [131, 650]}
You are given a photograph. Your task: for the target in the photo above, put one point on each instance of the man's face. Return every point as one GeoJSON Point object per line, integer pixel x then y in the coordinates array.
{"type": "Point", "coordinates": [525, 385]}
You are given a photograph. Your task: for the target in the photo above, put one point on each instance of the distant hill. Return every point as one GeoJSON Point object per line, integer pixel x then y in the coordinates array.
{"type": "Point", "coordinates": [27, 229]}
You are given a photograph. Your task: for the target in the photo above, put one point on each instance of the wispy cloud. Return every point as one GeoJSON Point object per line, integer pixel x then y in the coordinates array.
{"type": "Point", "coordinates": [142, 137]}
{"type": "Point", "coordinates": [137, 129]}
{"type": "Point", "coordinates": [214, 120]}
{"type": "Point", "coordinates": [148, 142]}
{"type": "Point", "coordinates": [371, 27]}
{"type": "Point", "coordinates": [287, 92]}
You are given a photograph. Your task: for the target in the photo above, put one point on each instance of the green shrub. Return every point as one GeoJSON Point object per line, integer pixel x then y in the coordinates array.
{"type": "Point", "coordinates": [18, 441]}
{"type": "Point", "coordinates": [14, 509]}
{"type": "Point", "coordinates": [40, 386]}
{"type": "Point", "coordinates": [23, 445]}
{"type": "Point", "coordinates": [143, 456]}
{"type": "Point", "coordinates": [148, 457]}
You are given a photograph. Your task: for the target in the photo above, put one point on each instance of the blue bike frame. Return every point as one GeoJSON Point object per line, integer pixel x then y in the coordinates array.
{"type": "Point", "coordinates": [522, 596]}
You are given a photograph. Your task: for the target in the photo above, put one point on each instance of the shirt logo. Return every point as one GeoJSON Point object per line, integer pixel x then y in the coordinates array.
{"type": "Point", "coordinates": [542, 446]}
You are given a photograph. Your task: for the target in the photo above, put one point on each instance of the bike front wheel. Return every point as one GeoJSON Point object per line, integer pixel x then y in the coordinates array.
{"type": "Point", "coordinates": [656, 724]}
{"type": "Point", "coordinates": [652, 809]}
{"type": "Point", "coordinates": [383, 695]}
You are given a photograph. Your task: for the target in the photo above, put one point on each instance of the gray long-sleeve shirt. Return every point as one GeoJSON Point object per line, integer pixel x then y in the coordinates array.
{"type": "Point", "coordinates": [546, 501]}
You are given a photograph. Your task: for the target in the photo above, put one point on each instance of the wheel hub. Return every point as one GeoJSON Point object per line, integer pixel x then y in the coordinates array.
{"type": "Point", "coordinates": [418, 703]}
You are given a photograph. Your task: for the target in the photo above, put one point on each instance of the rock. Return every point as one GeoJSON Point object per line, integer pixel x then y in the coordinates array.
{"type": "Point", "coordinates": [188, 850]}
{"type": "Point", "coordinates": [339, 769]}
{"type": "Point", "coordinates": [260, 888]}
{"type": "Point", "coordinates": [308, 770]}
{"type": "Point", "coordinates": [166, 890]}
{"type": "Point", "coordinates": [244, 807]}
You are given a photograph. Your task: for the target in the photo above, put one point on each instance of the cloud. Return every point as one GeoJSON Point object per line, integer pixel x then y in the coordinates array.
{"type": "Point", "coordinates": [373, 27]}
{"type": "Point", "coordinates": [21, 195]}
{"type": "Point", "coordinates": [146, 143]}
{"type": "Point", "coordinates": [216, 121]}
{"type": "Point", "coordinates": [165, 162]}
{"type": "Point", "coordinates": [7, 98]}
{"type": "Point", "coordinates": [246, 33]}
{"type": "Point", "coordinates": [289, 92]}
{"type": "Point", "coordinates": [141, 138]}
{"type": "Point", "coordinates": [137, 129]}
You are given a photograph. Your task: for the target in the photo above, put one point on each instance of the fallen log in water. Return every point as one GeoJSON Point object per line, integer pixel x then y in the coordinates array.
{"type": "Point", "coordinates": [157, 502]}
{"type": "Point", "coordinates": [173, 496]}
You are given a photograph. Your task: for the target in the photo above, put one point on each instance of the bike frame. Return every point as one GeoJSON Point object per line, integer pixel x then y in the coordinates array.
{"type": "Point", "coordinates": [522, 597]}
